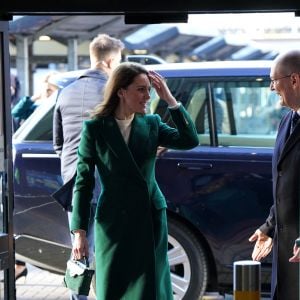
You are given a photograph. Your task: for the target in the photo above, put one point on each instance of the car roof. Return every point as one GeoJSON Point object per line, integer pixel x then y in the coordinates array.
{"type": "Point", "coordinates": [189, 69]}
{"type": "Point", "coordinates": [214, 68]}
{"type": "Point", "coordinates": [145, 59]}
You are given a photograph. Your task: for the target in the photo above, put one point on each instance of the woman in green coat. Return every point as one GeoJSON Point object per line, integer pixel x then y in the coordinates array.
{"type": "Point", "coordinates": [121, 140]}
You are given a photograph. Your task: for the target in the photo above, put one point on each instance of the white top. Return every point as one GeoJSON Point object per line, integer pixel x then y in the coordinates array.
{"type": "Point", "coordinates": [125, 127]}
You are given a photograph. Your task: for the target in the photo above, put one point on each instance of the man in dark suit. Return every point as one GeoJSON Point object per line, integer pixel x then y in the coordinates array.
{"type": "Point", "coordinates": [282, 225]}
{"type": "Point", "coordinates": [74, 104]}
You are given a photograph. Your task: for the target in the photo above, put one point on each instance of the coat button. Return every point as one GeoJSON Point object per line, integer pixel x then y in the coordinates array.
{"type": "Point", "coordinates": [279, 173]}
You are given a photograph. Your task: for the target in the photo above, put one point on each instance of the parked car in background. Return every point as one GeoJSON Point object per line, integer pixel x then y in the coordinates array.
{"type": "Point", "coordinates": [218, 193]}
{"type": "Point", "coordinates": [145, 59]}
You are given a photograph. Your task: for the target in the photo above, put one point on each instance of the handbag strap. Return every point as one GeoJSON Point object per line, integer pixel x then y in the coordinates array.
{"type": "Point", "coordinates": [86, 261]}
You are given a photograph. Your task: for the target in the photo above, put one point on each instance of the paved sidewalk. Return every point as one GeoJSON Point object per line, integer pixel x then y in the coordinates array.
{"type": "Point", "coordinates": [44, 285]}
{"type": "Point", "coordinates": [40, 285]}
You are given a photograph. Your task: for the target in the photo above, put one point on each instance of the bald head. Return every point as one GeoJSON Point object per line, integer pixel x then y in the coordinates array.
{"type": "Point", "coordinates": [285, 78]}
{"type": "Point", "coordinates": [288, 62]}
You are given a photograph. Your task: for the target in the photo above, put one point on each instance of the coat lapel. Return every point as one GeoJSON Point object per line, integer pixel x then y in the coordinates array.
{"type": "Point", "coordinates": [282, 137]}
{"type": "Point", "coordinates": [290, 139]}
{"type": "Point", "coordinates": [115, 141]}
{"type": "Point", "coordinates": [138, 139]}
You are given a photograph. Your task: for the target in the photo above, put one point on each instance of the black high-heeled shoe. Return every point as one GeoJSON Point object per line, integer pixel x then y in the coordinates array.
{"type": "Point", "coordinates": [21, 274]}
{"type": "Point", "coordinates": [24, 273]}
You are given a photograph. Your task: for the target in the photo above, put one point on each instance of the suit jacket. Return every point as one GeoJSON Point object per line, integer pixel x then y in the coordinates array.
{"type": "Point", "coordinates": [283, 221]}
{"type": "Point", "coordinates": [129, 193]}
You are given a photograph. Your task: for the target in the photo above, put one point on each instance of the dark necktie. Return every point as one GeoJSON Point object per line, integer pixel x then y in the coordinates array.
{"type": "Point", "coordinates": [295, 119]}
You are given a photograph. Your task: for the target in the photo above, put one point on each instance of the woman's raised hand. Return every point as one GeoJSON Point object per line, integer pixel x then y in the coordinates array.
{"type": "Point", "coordinates": [161, 87]}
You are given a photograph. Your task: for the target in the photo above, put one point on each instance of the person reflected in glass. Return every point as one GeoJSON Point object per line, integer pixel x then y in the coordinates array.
{"type": "Point", "coordinates": [26, 105]}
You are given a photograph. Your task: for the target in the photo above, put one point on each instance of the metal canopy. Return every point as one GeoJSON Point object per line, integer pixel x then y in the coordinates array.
{"type": "Point", "coordinates": [218, 48]}
{"type": "Point", "coordinates": [205, 49]}
{"type": "Point", "coordinates": [68, 30]}
{"type": "Point", "coordinates": [165, 39]}
{"type": "Point", "coordinates": [248, 53]}
{"type": "Point", "coordinates": [150, 36]}
{"type": "Point", "coordinates": [63, 28]}
{"type": "Point", "coordinates": [160, 39]}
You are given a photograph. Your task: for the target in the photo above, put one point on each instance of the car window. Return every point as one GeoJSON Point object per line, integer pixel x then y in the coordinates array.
{"type": "Point", "coordinates": [43, 130]}
{"type": "Point", "coordinates": [227, 111]}
{"type": "Point", "coordinates": [240, 111]}
{"type": "Point", "coordinates": [38, 126]}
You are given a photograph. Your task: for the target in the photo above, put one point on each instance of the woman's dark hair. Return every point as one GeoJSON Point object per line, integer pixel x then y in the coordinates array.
{"type": "Point", "coordinates": [121, 78]}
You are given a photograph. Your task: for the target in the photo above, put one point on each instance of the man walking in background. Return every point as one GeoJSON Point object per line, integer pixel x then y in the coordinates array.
{"type": "Point", "coordinates": [74, 104]}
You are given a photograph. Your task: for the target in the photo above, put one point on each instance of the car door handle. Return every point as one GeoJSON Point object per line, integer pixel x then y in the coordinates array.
{"type": "Point", "coordinates": [195, 166]}
{"type": "Point", "coordinates": [39, 155]}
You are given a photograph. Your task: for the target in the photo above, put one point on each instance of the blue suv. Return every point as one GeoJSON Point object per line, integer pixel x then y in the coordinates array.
{"type": "Point", "coordinates": [218, 193]}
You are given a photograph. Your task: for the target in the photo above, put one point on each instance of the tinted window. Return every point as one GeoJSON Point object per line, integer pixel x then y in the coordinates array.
{"type": "Point", "coordinates": [240, 112]}
{"type": "Point", "coordinates": [43, 129]}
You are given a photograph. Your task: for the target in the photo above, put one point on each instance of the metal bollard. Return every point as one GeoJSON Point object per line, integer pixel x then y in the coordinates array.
{"type": "Point", "coordinates": [246, 276]}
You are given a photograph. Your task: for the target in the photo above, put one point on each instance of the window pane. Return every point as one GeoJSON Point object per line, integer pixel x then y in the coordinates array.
{"type": "Point", "coordinates": [248, 110]}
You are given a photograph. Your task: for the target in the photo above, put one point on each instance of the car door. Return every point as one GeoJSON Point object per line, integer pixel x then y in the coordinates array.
{"type": "Point", "coordinates": [41, 224]}
{"type": "Point", "coordinates": [223, 187]}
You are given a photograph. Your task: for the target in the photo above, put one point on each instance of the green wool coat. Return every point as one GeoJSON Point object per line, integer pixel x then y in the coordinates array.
{"type": "Point", "coordinates": [130, 220]}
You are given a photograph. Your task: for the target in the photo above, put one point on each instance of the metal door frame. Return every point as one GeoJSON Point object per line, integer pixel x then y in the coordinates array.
{"type": "Point", "coordinates": [7, 251]}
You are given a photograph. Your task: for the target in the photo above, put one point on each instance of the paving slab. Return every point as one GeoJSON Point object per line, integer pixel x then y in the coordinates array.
{"type": "Point", "coordinates": [43, 285]}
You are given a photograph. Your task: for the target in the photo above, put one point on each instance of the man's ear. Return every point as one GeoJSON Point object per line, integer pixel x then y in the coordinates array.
{"type": "Point", "coordinates": [295, 80]}
{"type": "Point", "coordinates": [108, 62]}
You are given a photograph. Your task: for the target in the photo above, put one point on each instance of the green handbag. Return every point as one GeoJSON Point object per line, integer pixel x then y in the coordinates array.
{"type": "Point", "coordinates": [78, 276]}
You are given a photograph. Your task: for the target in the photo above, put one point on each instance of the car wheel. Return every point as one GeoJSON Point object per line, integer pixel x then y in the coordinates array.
{"type": "Point", "coordinates": [188, 262]}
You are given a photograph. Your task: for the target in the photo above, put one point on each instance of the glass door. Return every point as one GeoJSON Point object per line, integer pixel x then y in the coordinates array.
{"type": "Point", "coordinates": [7, 283]}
